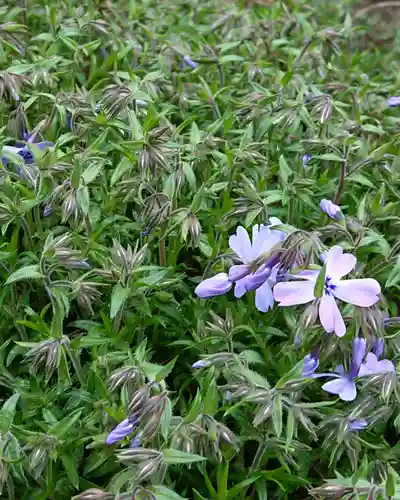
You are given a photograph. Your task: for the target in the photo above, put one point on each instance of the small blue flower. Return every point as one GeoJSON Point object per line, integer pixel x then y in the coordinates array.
{"type": "Point", "coordinates": [200, 364]}
{"type": "Point", "coordinates": [189, 62]}
{"type": "Point", "coordinates": [333, 211]}
{"type": "Point", "coordinates": [135, 443]}
{"type": "Point", "coordinates": [393, 101]}
{"type": "Point", "coordinates": [122, 430]}
{"type": "Point", "coordinates": [305, 159]}
{"type": "Point", "coordinates": [24, 151]}
{"type": "Point", "coordinates": [311, 363]}
{"type": "Point", "coordinates": [357, 424]}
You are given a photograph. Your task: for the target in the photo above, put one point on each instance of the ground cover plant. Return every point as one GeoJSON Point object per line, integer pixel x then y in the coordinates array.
{"type": "Point", "coordinates": [200, 263]}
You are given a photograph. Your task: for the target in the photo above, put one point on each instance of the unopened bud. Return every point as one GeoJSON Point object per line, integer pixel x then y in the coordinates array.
{"type": "Point", "coordinates": [146, 469]}
{"type": "Point", "coordinates": [134, 455]}
{"type": "Point", "coordinates": [94, 494]}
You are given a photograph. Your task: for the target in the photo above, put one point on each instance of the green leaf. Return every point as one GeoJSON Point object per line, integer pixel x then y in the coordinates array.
{"type": "Point", "coordinates": [71, 470]}
{"type": "Point", "coordinates": [166, 370]}
{"type": "Point", "coordinates": [277, 415]}
{"type": "Point", "coordinates": [7, 412]}
{"type": "Point", "coordinates": [320, 283]}
{"type": "Point", "coordinates": [180, 457]}
{"type": "Point", "coordinates": [25, 273]}
{"type": "Point", "coordinates": [195, 409]}
{"type": "Point", "coordinates": [284, 170]}
{"type": "Point", "coordinates": [61, 428]}
{"type": "Point", "coordinates": [210, 403]}
{"type": "Point", "coordinates": [118, 297]}
{"type": "Point", "coordinates": [163, 493]}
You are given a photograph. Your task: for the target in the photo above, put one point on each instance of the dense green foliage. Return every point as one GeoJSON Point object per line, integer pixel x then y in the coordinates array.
{"type": "Point", "coordinates": [172, 123]}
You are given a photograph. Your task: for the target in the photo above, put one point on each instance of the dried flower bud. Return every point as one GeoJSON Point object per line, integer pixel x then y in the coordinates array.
{"type": "Point", "coordinates": [134, 455]}
{"type": "Point", "coordinates": [147, 469]}
{"type": "Point", "coordinates": [191, 226]}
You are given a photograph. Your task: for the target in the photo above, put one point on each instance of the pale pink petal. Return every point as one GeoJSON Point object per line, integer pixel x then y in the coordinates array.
{"type": "Point", "coordinates": [331, 257]}
{"type": "Point", "coordinates": [294, 292]}
{"type": "Point", "coordinates": [264, 298]}
{"type": "Point", "coordinates": [241, 245]}
{"type": "Point", "coordinates": [362, 292]}
{"type": "Point", "coordinates": [330, 316]}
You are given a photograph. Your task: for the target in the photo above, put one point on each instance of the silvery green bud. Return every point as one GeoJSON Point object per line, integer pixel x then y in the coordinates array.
{"type": "Point", "coordinates": [94, 494]}
{"type": "Point", "coordinates": [139, 399]}
{"type": "Point", "coordinates": [148, 468]}
{"type": "Point", "coordinates": [263, 414]}
{"type": "Point", "coordinates": [134, 455]}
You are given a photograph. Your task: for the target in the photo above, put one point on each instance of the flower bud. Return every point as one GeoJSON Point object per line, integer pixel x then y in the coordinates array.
{"type": "Point", "coordinates": [94, 494]}
{"type": "Point", "coordinates": [217, 285]}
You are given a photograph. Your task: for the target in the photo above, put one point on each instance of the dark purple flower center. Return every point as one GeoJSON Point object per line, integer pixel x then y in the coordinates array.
{"type": "Point", "coordinates": [329, 287]}
{"type": "Point", "coordinates": [26, 155]}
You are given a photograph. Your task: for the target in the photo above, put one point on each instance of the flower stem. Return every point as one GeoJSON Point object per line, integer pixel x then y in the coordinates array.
{"type": "Point", "coordinates": [342, 177]}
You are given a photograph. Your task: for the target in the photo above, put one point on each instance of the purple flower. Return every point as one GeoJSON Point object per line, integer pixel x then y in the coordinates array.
{"type": "Point", "coordinates": [372, 366]}
{"type": "Point", "coordinates": [333, 211]}
{"type": "Point", "coordinates": [393, 101]}
{"type": "Point", "coordinates": [135, 443]}
{"type": "Point", "coordinates": [264, 239]}
{"type": "Point", "coordinates": [378, 347]}
{"type": "Point", "coordinates": [189, 62]}
{"type": "Point", "coordinates": [122, 430]}
{"type": "Point", "coordinates": [359, 292]}
{"type": "Point", "coordinates": [344, 385]}
{"type": "Point", "coordinates": [200, 364]}
{"type": "Point", "coordinates": [305, 159]}
{"type": "Point", "coordinates": [357, 424]}
{"type": "Point", "coordinates": [24, 151]}
{"type": "Point", "coordinates": [217, 285]}
{"type": "Point", "coordinates": [311, 363]}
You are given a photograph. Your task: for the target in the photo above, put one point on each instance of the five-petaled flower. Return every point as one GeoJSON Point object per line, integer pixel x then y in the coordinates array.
{"type": "Point", "coordinates": [359, 292]}
{"type": "Point", "coordinates": [265, 277]}
{"type": "Point", "coordinates": [24, 150]}
{"type": "Point", "coordinates": [344, 385]}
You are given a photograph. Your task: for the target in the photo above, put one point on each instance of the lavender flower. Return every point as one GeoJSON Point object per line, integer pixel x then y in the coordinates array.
{"type": "Point", "coordinates": [333, 211]}
{"type": "Point", "coordinates": [135, 443]}
{"type": "Point", "coordinates": [305, 159]}
{"type": "Point", "coordinates": [359, 292]}
{"type": "Point", "coordinates": [122, 430]}
{"type": "Point", "coordinates": [357, 424]}
{"type": "Point", "coordinates": [344, 385]}
{"type": "Point", "coordinates": [311, 363]}
{"type": "Point", "coordinates": [372, 366]}
{"type": "Point", "coordinates": [217, 285]}
{"type": "Point", "coordinates": [200, 364]}
{"type": "Point", "coordinates": [393, 101]}
{"type": "Point", "coordinates": [378, 347]}
{"type": "Point", "coordinates": [189, 62]}
{"type": "Point", "coordinates": [264, 239]}
{"type": "Point", "coordinates": [24, 151]}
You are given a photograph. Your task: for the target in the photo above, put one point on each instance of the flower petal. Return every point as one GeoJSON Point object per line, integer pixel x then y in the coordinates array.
{"type": "Point", "coordinates": [344, 388]}
{"type": "Point", "coordinates": [236, 273]}
{"type": "Point", "coordinates": [362, 292]}
{"type": "Point", "coordinates": [241, 245]}
{"type": "Point", "coordinates": [264, 298]}
{"type": "Point", "coordinates": [265, 240]}
{"type": "Point", "coordinates": [339, 264]}
{"type": "Point", "coordinates": [330, 316]}
{"type": "Point", "coordinates": [294, 292]}
{"type": "Point", "coordinates": [217, 285]}
{"type": "Point", "coordinates": [307, 274]}
{"type": "Point", "coordinates": [240, 288]}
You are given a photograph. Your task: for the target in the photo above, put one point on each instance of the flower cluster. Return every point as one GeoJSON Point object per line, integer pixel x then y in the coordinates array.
{"type": "Point", "coordinates": [260, 267]}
